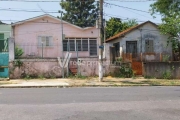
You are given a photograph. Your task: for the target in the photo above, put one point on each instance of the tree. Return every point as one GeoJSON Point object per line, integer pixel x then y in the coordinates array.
{"type": "Point", "coordinates": [1, 22]}
{"type": "Point", "coordinates": [170, 13]}
{"type": "Point", "coordinates": [82, 13]}
{"type": "Point", "coordinates": [115, 25]}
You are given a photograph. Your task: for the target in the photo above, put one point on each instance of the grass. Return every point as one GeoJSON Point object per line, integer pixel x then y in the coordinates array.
{"type": "Point", "coordinates": [154, 82]}
{"type": "Point", "coordinates": [5, 82]}
{"type": "Point", "coordinates": [78, 76]}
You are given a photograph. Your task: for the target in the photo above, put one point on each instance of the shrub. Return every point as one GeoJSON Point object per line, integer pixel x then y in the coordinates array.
{"type": "Point", "coordinates": [18, 52]}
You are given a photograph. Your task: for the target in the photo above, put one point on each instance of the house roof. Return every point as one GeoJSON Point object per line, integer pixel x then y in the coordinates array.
{"type": "Point", "coordinates": [47, 15]}
{"type": "Point", "coordinates": [121, 34]}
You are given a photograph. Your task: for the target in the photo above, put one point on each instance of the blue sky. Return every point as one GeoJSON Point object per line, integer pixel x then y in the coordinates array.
{"type": "Point", "coordinates": [54, 6]}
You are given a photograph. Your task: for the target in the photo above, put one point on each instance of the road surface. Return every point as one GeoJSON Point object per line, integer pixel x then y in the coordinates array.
{"type": "Point", "coordinates": [124, 103]}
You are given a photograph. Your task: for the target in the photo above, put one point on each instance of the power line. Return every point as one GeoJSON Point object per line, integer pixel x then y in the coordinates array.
{"type": "Point", "coordinates": [126, 7]}
{"type": "Point", "coordinates": [132, 0]}
{"type": "Point", "coordinates": [14, 10]}
{"type": "Point", "coordinates": [79, 0]}
{"type": "Point", "coordinates": [123, 18]}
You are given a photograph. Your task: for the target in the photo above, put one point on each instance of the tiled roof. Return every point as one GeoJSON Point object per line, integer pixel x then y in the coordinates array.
{"type": "Point", "coordinates": [121, 34]}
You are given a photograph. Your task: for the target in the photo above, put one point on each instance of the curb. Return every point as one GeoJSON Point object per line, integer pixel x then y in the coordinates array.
{"type": "Point", "coordinates": [33, 86]}
{"type": "Point", "coordinates": [77, 86]}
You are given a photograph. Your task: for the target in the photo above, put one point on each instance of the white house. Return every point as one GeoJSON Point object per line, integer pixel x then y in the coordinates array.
{"type": "Point", "coordinates": [144, 42]}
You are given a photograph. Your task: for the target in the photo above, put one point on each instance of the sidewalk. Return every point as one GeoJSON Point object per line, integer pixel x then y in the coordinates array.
{"type": "Point", "coordinates": [90, 82]}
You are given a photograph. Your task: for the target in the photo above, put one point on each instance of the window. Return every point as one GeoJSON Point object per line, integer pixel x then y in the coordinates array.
{"type": "Point", "coordinates": [65, 45]}
{"type": "Point", "coordinates": [149, 46]}
{"type": "Point", "coordinates": [1, 42]}
{"type": "Point", "coordinates": [72, 45]}
{"type": "Point", "coordinates": [45, 41]}
{"type": "Point", "coordinates": [84, 45]}
{"type": "Point", "coordinates": [93, 47]}
{"type": "Point", "coordinates": [131, 47]}
{"type": "Point", "coordinates": [78, 44]}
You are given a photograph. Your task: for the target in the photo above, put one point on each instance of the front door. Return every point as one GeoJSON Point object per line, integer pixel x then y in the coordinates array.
{"type": "Point", "coordinates": [131, 47]}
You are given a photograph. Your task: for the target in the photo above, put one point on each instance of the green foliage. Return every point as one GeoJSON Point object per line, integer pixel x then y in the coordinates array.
{"type": "Point", "coordinates": [167, 74]}
{"type": "Point", "coordinates": [77, 76]}
{"type": "Point", "coordinates": [27, 77]}
{"type": "Point", "coordinates": [165, 58]}
{"type": "Point", "coordinates": [125, 71]}
{"type": "Point", "coordinates": [18, 52]}
{"type": "Point", "coordinates": [170, 13]}
{"type": "Point", "coordinates": [18, 63]}
{"type": "Point", "coordinates": [80, 76]}
{"type": "Point", "coordinates": [52, 77]}
{"type": "Point", "coordinates": [41, 77]}
{"type": "Point", "coordinates": [149, 77]}
{"type": "Point", "coordinates": [80, 13]}
{"type": "Point", "coordinates": [115, 25]}
{"type": "Point", "coordinates": [119, 59]}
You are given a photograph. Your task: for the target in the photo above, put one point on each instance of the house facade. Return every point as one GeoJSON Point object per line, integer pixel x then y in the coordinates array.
{"type": "Point", "coordinates": [48, 37]}
{"type": "Point", "coordinates": [142, 42]}
{"type": "Point", "coordinates": [5, 33]}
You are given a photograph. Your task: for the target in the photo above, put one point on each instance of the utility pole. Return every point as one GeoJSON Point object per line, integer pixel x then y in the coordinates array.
{"type": "Point", "coordinates": [101, 40]}
{"type": "Point", "coordinates": [62, 36]}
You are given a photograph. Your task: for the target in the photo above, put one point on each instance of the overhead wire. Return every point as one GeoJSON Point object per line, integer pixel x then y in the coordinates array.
{"type": "Point", "coordinates": [79, 0]}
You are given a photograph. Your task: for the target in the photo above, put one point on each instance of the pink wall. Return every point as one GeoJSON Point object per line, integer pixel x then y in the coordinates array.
{"type": "Point", "coordinates": [26, 36]}
{"type": "Point", "coordinates": [50, 68]}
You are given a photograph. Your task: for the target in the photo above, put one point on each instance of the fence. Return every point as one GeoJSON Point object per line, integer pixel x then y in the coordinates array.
{"type": "Point", "coordinates": [147, 57]}
{"type": "Point", "coordinates": [50, 68]}
{"type": "Point", "coordinates": [165, 70]}
{"type": "Point", "coordinates": [33, 50]}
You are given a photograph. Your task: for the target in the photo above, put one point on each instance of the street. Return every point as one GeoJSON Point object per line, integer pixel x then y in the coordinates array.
{"type": "Point", "coordinates": [123, 103]}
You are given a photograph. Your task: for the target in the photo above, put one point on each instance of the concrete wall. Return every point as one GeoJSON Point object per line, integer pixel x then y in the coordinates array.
{"type": "Point", "coordinates": [11, 49]}
{"type": "Point", "coordinates": [6, 29]}
{"type": "Point", "coordinates": [50, 68]}
{"type": "Point", "coordinates": [26, 36]}
{"type": "Point", "coordinates": [149, 31]}
{"type": "Point", "coordinates": [157, 69]}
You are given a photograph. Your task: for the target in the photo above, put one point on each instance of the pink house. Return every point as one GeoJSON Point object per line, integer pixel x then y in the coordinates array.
{"type": "Point", "coordinates": [41, 36]}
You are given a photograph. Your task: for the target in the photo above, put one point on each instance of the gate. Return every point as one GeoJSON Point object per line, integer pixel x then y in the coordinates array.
{"type": "Point", "coordinates": [4, 58]}
{"type": "Point", "coordinates": [137, 67]}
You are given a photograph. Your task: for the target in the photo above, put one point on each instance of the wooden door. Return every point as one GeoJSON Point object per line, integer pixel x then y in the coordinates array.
{"type": "Point", "coordinates": [131, 47]}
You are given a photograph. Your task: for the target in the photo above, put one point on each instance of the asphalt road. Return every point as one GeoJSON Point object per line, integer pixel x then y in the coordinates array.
{"type": "Point", "coordinates": [125, 103]}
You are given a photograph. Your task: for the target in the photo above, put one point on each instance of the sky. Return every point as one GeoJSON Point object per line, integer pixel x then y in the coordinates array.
{"type": "Point", "coordinates": [116, 10]}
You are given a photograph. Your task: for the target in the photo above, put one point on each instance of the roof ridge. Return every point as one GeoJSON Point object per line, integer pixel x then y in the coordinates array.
{"type": "Point", "coordinates": [128, 30]}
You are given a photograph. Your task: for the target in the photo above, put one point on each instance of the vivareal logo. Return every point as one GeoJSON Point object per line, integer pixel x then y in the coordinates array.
{"type": "Point", "coordinates": [63, 63]}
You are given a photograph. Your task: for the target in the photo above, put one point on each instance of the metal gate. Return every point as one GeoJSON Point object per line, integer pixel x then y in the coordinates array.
{"type": "Point", "coordinates": [137, 67]}
{"type": "Point", "coordinates": [4, 57]}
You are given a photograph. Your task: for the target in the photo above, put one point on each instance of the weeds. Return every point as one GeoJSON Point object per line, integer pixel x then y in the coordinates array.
{"type": "Point", "coordinates": [41, 77]}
